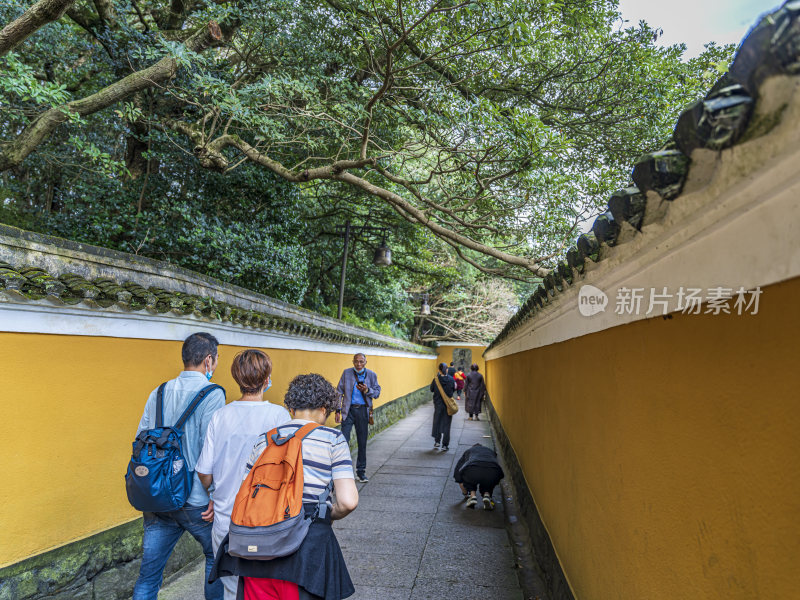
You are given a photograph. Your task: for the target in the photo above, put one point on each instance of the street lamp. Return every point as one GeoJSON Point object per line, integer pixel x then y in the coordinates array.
{"type": "Point", "coordinates": [382, 258]}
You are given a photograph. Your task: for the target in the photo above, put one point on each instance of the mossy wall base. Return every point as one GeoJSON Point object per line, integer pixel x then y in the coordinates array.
{"type": "Point", "coordinates": [101, 567]}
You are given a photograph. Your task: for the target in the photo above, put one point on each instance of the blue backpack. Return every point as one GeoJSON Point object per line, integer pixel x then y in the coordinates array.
{"type": "Point", "coordinates": [158, 479]}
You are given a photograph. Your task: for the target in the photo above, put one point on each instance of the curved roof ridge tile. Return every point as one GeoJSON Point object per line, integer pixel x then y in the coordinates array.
{"type": "Point", "coordinates": [719, 121]}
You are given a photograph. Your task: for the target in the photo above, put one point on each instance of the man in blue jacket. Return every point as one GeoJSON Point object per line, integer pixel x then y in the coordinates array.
{"type": "Point", "coordinates": [359, 386]}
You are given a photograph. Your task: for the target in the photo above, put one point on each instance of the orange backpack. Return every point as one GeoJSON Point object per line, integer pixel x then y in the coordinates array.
{"type": "Point", "coordinates": [268, 519]}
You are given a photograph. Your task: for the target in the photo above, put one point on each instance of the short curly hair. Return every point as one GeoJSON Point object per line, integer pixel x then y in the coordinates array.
{"type": "Point", "coordinates": [309, 392]}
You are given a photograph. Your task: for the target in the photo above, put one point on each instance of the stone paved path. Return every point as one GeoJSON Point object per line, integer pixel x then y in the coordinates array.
{"type": "Point", "coordinates": [412, 538]}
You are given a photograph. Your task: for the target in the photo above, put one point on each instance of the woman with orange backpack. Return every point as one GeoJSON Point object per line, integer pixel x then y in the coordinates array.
{"type": "Point", "coordinates": [316, 569]}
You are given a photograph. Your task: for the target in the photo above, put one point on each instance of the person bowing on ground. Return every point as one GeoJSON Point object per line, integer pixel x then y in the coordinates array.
{"type": "Point", "coordinates": [478, 470]}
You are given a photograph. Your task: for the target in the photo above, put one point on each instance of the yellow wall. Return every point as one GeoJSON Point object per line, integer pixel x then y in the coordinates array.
{"type": "Point", "coordinates": [664, 455]}
{"type": "Point", "coordinates": [71, 405]}
{"type": "Point", "coordinates": [445, 354]}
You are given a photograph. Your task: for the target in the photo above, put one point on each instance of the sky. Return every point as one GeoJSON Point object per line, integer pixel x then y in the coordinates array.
{"type": "Point", "coordinates": [696, 22]}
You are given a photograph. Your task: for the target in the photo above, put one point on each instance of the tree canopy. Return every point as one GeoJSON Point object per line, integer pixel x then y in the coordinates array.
{"type": "Point", "coordinates": [231, 137]}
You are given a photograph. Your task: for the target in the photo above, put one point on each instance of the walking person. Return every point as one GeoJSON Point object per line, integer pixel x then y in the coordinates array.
{"type": "Point", "coordinates": [441, 420]}
{"type": "Point", "coordinates": [360, 388]}
{"type": "Point", "coordinates": [162, 530]}
{"type": "Point", "coordinates": [231, 435]}
{"type": "Point", "coordinates": [478, 470]}
{"type": "Point", "coordinates": [460, 380]}
{"type": "Point", "coordinates": [316, 570]}
{"type": "Point", "coordinates": [474, 392]}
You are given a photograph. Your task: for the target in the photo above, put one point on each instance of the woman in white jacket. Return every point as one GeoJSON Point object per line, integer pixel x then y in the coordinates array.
{"type": "Point", "coordinates": [232, 432]}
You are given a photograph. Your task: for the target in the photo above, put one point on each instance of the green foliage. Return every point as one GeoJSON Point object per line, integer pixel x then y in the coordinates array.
{"type": "Point", "coordinates": [349, 316]}
{"type": "Point", "coordinates": [19, 82]}
{"type": "Point", "coordinates": [507, 123]}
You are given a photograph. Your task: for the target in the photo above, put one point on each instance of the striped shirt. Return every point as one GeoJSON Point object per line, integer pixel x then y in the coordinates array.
{"type": "Point", "coordinates": [326, 456]}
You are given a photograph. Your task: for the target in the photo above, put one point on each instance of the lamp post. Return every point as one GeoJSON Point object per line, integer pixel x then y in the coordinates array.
{"type": "Point", "coordinates": [382, 257]}
{"type": "Point", "coordinates": [344, 269]}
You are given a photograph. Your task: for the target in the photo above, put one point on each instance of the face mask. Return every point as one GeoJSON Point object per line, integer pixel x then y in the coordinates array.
{"type": "Point", "coordinates": [209, 375]}
{"type": "Point", "coordinates": [359, 372]}
{"type": "Point", "coordinates": [269, 385]}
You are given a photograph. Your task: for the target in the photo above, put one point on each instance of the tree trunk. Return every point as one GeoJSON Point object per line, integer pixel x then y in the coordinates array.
{"type": "Point", "coordinates": [135, 147]}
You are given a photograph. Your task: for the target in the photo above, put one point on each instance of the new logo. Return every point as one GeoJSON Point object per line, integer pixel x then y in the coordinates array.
{"type": "Point", "coordinates": [591, 300]}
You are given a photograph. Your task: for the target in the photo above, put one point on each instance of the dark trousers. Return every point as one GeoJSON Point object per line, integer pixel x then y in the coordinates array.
{"type": "Point", "coordinates": [358, 417]}
{"type": "Point", "coordinates": [441, 423]}
{"type": "Point", "coordinates": [481, 478]}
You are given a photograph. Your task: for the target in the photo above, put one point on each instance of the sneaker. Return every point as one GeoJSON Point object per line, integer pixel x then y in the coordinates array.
{"type": "Point", "coordinates": [472, 502]}
{"type": "Point", "coordinates": [362, 478]}
{"type": "Point", "coordinates": [470, 419]}
{"type": "Point", "coordinates": [488, 503]}
{"type": "Point", "coordinates": [445, 448]}
{"type": "Point", "coordinates": [435, 445]}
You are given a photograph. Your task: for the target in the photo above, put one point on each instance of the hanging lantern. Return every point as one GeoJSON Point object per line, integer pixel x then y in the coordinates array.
{"type": "Point", "coordinates": [383, 255]}
{"type": "Point", "coordinates": [425, 309]}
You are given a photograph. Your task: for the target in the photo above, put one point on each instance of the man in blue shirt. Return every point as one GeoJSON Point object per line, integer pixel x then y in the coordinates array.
{"type": "Point", "coordinates": [359, 386]}
{"type": "Point", "coordinates": [163, 530]}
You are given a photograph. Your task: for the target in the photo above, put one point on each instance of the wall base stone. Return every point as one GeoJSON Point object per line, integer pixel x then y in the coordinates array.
{"type": "Point", "coordinates": [548, 572]}
{"type": "Point", "coordinates": [101, 567]}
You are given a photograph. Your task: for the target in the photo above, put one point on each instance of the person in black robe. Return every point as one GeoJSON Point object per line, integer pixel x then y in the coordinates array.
{"type": "Point", "coordinates": [474, 391]}
{"type": "Point", "coordinates": [441, 420]}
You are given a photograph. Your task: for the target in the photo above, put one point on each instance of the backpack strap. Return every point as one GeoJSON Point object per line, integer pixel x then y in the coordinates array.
{"type": "Point", "coordinates": [301, 433]}
{"type": "Point", "coordinates": [322, 501]}
{"type": "Point", "coordinates": [199, 397]}
{"type": "Point", "coordinates": [160, 405]}
{"type": "Point", "coordinates": [441, 389]}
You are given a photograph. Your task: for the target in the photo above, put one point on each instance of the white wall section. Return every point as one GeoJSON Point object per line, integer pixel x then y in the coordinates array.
{"type": "Point", "coordinates": [42, 317]}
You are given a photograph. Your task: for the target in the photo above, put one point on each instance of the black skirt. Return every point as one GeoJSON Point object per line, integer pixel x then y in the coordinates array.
{"type": "Point", "coordinates": [317, 566]}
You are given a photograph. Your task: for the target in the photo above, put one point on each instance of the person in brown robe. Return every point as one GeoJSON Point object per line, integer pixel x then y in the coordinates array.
{"type": "Point", "coordinates": [474, 390]}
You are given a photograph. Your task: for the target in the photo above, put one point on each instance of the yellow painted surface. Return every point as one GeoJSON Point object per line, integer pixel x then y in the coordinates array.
{"type": "Point", "coordinates": [664, 455]}
{"type": "Point", "coordinates": [445, 354]}
{"type": "Point", "coordinates": [71, 405]}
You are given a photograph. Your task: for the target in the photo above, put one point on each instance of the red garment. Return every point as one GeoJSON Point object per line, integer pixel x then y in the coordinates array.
{"type": "Point", "coordinates": [256, 588]}
{"type": "Point", "coordinates": [460, 380]}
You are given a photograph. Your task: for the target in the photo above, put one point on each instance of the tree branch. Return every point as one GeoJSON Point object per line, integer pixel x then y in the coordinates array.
{"type": "Point", "coordinates": [15, 152]}
{"type": "Point", "coordinates": [210, 155]}
{"type": "Point", "coordinates": [37, 16]}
